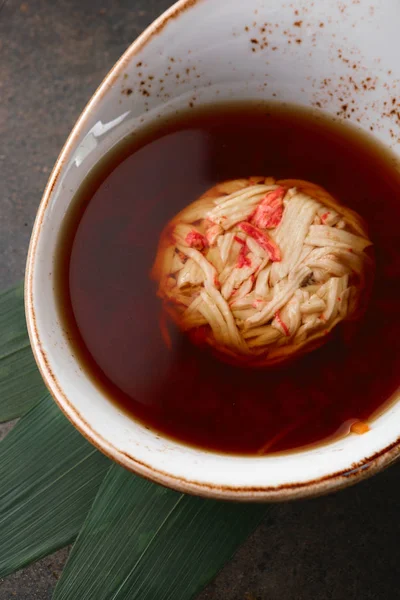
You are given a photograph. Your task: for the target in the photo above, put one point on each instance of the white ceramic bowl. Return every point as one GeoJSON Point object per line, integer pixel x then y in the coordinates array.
{"type": "Point", "coordinates": [338, 56]}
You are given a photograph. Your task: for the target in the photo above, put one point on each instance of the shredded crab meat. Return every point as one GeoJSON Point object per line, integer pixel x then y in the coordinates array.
{"type": "Point", "coordinates": [268, 213]}
{"type": "Point", "coordinates": [291, 234]}
{"type": "Point", "coordinates": [189, 275]}
{"type": "Point", "coordinates": [213, 233]}
{"type": "Point", "coordinates": [224, 244]}
{"type": "Point", "coordinates": [262, 239]}
{"type": "Point", "coordinates": [322, 235]}
{"type": "Point", "coordinates": [262, 270]}
{"type": "Point", "coordinates": [238, 206]}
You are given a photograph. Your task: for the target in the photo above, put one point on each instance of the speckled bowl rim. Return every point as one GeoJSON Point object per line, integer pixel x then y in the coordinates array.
{"type": "Point", "coordinates": [337, 480]}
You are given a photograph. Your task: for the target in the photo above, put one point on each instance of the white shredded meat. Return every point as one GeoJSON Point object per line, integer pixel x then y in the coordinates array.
{"type": "Point", "coordinates": [266, 268]}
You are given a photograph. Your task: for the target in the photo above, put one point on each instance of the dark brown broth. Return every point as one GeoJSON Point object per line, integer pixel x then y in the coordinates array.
{"type": "Point", "coordinates": [110, 309]}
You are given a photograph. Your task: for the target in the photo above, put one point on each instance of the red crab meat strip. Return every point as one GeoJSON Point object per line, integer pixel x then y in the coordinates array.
{"type": "Point", "coordinates": [268, 213]}
{"type": "Point", "coordinates": [196, 240]}
{"type": "Point", "coordinates": [243, 259]}
{"type": "Point", "coordinates": [239, 240]}
{"type": "Point", "coordinates": [262, 239]}
{"type": "Point", "coordinates": [281, 323]}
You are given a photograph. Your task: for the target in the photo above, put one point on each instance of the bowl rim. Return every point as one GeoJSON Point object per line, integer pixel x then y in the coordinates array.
{"type": "Point", "coordinates": [315, 487]}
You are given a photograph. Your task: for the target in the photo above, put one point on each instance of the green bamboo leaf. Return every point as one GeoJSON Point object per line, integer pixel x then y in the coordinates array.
{"type": "Point", "coordinates": [21, 386]}
{"type": "Point", "coordinates": [49, 477]}
{"type": "Point", "coordinates": [142, 541]}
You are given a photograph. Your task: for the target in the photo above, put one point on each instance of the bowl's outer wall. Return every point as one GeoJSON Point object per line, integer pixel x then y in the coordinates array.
{"type": "Point", "coordinates": [319, 55]}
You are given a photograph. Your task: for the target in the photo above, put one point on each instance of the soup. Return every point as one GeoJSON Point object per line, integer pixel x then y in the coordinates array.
{"type": "Point", "coordinates": [110, 310]}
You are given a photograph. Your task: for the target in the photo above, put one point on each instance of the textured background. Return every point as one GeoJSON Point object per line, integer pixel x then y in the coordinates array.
{"type": "Point", "coordinates": [53, 54]}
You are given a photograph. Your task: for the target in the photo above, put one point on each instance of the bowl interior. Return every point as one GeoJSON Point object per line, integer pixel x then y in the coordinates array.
{"type": "Point", "coordinates": [318, 55]}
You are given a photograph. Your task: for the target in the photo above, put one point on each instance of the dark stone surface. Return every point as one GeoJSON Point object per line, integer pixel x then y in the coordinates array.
{"type": "Point", "coordinates": [52, 57]}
